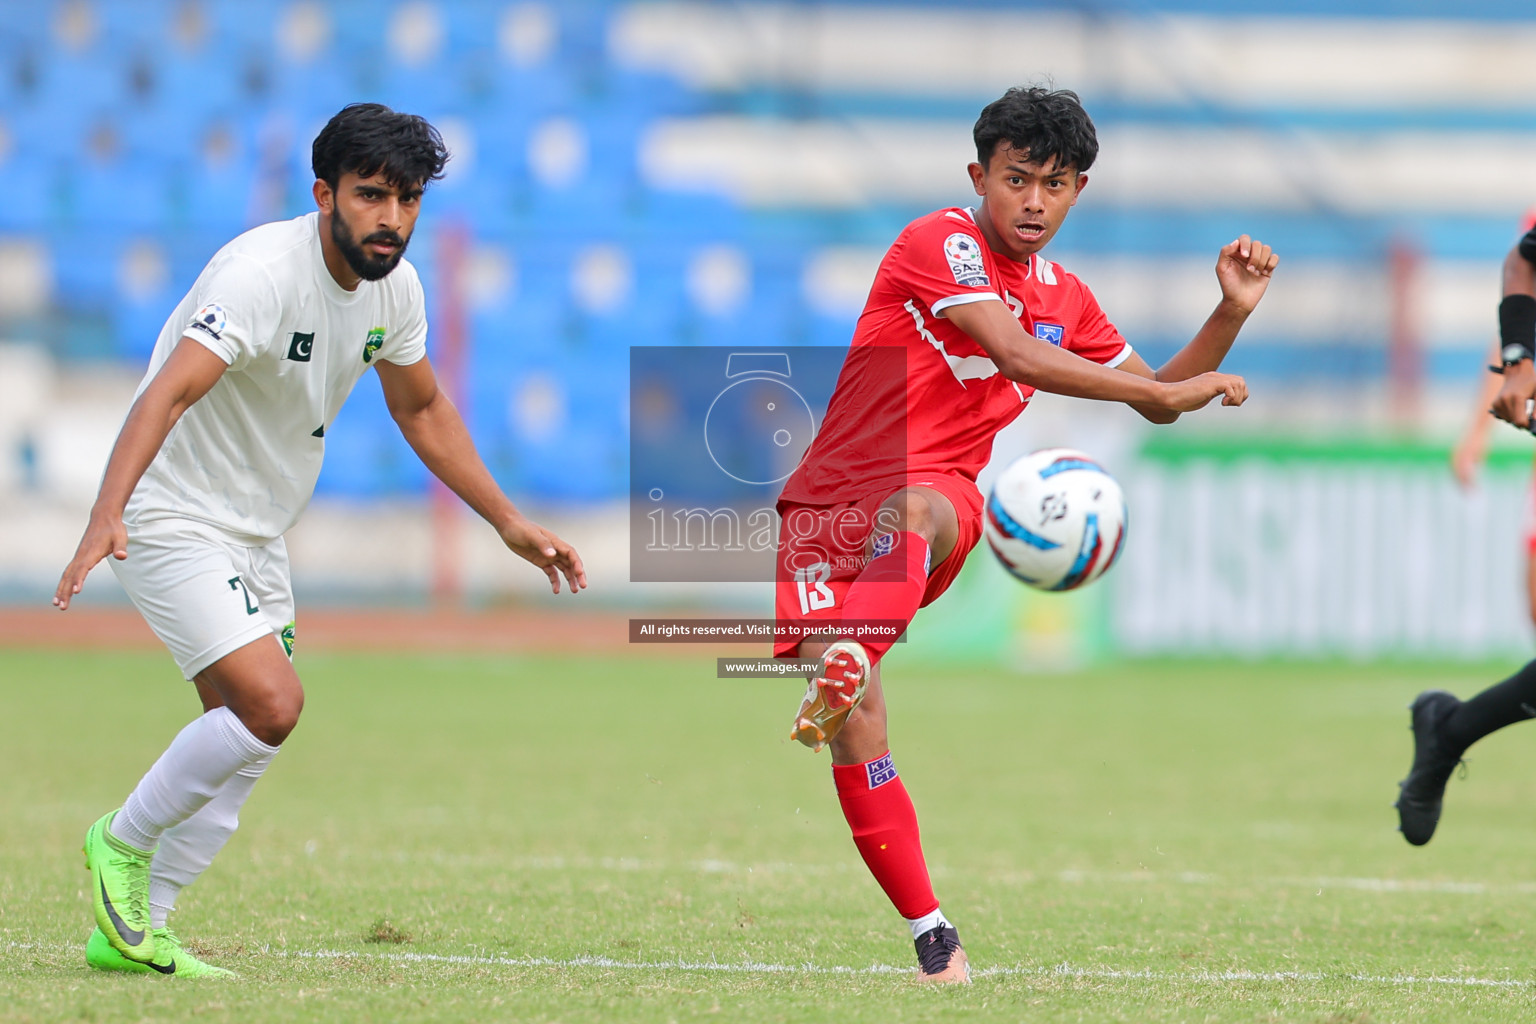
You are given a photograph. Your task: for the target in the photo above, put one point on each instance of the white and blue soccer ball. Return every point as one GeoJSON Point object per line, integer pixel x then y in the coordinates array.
{"type": "Point", "coordinates": [1055, 519]}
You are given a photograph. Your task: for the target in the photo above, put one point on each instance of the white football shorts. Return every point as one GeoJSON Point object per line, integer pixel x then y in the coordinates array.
{"type": "Point", "coordinates": [203, 593]}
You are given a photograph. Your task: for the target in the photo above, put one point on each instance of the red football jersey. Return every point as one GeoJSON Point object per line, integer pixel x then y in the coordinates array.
{"type": "Point", "coordinates": [951, 400]}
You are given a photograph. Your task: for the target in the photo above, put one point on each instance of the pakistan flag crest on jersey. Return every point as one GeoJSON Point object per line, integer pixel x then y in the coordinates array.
{"type": "Point", "coordinates": [373, 344]}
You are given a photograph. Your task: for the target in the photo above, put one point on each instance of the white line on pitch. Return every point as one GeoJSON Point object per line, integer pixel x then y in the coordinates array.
{"type": "Point", "coordinates": [1362, 884]}
{"type": "Point", "coordinates": [726, 867]}
{"type": "Point", "coordinates": [1063, 970]}
{"type": "Point", "coordinates": [754, 967]}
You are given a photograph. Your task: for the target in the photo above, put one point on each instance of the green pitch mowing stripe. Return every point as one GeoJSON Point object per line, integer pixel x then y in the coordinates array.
{"type": "Point", "coordinates": [603, 839]}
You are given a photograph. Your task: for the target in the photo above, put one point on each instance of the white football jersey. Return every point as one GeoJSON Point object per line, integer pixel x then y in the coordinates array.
{"type": "Point", "coordinates": [245, 457]}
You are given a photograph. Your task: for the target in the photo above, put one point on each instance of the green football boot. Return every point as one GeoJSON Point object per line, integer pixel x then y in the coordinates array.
{"type": "Point", "coordinates": [170, 958]}
{"type": "Point", "coordinates": [120, 891]}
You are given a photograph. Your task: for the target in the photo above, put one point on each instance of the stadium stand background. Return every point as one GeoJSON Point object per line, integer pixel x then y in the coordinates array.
{"type": "Point", "coordinates": [729, 173]}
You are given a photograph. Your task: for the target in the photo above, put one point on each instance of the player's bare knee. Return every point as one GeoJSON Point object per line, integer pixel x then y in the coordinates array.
{"type": "Point", "coordinates": [271, 725]}
{"type": "Point", "coordinates": [287, 709]}
{"type": "Point", "coordinates": [907, 510]}
{"type": "Point", "coordinates": [869, 720]}
{"type": "Point", "coordinates": [271, 716]}
{"type": "Point", "coordinates": [863, 738]}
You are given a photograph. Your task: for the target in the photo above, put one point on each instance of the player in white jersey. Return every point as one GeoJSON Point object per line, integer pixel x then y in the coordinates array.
{"type": "Point", "coordinates": [218, 457]}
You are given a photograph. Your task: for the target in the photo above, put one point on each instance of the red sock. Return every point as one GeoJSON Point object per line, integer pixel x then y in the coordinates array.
{"type": "Point", "coordinates": [891, 585]}
{"type": "Point", "coordinates": [884, 827]}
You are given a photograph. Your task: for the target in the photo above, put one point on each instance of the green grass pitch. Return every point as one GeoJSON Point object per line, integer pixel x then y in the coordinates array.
{"type": "Point", "coordinates": [611, 839]}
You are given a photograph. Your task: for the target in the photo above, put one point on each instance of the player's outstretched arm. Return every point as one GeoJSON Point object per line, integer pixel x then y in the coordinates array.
{"type": "Point", "coordinates": [186, 376]}
{"type": "Point", "coordinates": [433, 427]}
{"type": "Point", "coordinates": [1028, 360]}
{"type": "Point", "coordinates": [1517, 329]}
{"type": "Point", "coordinates": [1243, 267]}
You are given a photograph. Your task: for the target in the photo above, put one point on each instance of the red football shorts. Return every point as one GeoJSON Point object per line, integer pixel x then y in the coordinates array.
{"type": "Point", "coordinates": [823, 548]}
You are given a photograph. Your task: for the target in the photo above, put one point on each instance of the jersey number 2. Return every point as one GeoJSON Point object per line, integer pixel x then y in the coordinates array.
{"type": "Point", "coordinates": [239, 584]}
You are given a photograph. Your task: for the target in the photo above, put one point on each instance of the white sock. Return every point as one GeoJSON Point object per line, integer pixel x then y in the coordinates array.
{"type": "Point", "coordinates": [197, 764]}
{"type": "Point", "coordinates": [187, 849]}
{"type": "Point", "coordinates": [927, 922]}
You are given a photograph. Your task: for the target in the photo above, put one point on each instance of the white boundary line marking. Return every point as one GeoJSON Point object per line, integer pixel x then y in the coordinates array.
{"type": "Point", "coordinates": [1025, 876]}
{"type": "Point", "coordinates": [1063, 970]}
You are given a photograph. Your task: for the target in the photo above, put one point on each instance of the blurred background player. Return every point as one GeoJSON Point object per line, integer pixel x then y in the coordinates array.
{"type": "Point", "coordinates": [218, 457]}
{"type": "Point", "coordinates": [880, 514]}
{"type": "Point", "coordinates": [1472, 448]}
{"type": "Point", "coordinates": [1444, 726]}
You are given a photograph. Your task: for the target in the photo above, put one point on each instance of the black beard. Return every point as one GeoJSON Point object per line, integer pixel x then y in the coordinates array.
{"type": "Point", "coordinates": [365, 264]}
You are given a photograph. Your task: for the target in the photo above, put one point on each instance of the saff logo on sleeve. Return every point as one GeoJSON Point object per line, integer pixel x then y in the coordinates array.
{"type": "Point", "coordinates": [301, 347]}
{"type": "Point", "coordinates": [963, 253]}
{"type": "Point", "coordinates": [1049, 332]}
{"type": "Point", "coordinates": [210, 320]}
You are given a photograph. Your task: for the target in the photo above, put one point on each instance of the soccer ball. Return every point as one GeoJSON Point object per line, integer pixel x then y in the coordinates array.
{"type": "Point", "coordinates": [1055, 519]}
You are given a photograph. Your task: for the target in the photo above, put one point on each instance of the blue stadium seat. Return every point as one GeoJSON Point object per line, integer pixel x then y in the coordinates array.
{"type": "Point", "coordinates": [357, 27]}
{"type": "Point", "coordinates": [365, 456]}
{"type": "Point", "coordinates": [586, 466]}
{"type": "Point", "coordinates": [829, 330]}
{"type": "Point", "coordinates": [218, 200]}
{"type": "Point", "coordinates": [76, 86]}
{"type": "Point", "coordinates": [311, 92]}
{"type": "Point", "coordinates": [238, 26]}
{"type": "Point", "coordinates": [158, 135]}
{"type": "Point", "coordinates": [659, 301]}
{"type": "Point", "coordinates": [695, 217]}
{"type": "Point", "coordinates": [473, 26]}
{"type": "Point", "coordinates": [85, 265]}
{"type": "Point", "coordinates": [28, 26]}
{"type": "Point", "coordinates": [643, 95]}
{"type": "Point", "coordinates": [32, 197]}
{"type": "Point", "coordinates": [528, 332]}
{"type": "Point", "coordinates": [141, 26]}
{"type": "Point", "coordinates": [523, 96]}
{"type": "Point", "coordinates": [19, 66]}
{"type": "Point", "coordinates": [189, 96]}
{"type": "Point", "coordinates": [501, 147]}
{"type": "Point", "coordinates": [432, 90]}
{"type": "Point", "coordinates": [482, 200]}
{"type": "Point", "coordinates": [42, 136]}
{"type": "Point", "coordinates": [137, 323]}
{"type": "Point", "coordinates": [126, 195]}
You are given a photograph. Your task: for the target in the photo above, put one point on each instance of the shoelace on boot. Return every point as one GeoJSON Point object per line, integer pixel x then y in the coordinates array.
{"type": "Point", "coordinates": [138, 892]}
{"type": "Point", "coordinates": [935, 947]}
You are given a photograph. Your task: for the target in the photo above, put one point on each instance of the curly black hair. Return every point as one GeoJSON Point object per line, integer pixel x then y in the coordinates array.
{"type": "Point", "coordinates": [369, 138]}
{"type": "Point", "coordinates": [1048, 124]}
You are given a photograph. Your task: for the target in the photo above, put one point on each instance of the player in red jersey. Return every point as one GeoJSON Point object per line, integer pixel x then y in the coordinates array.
{"type": "Point", "coordinates": [880, 514]}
